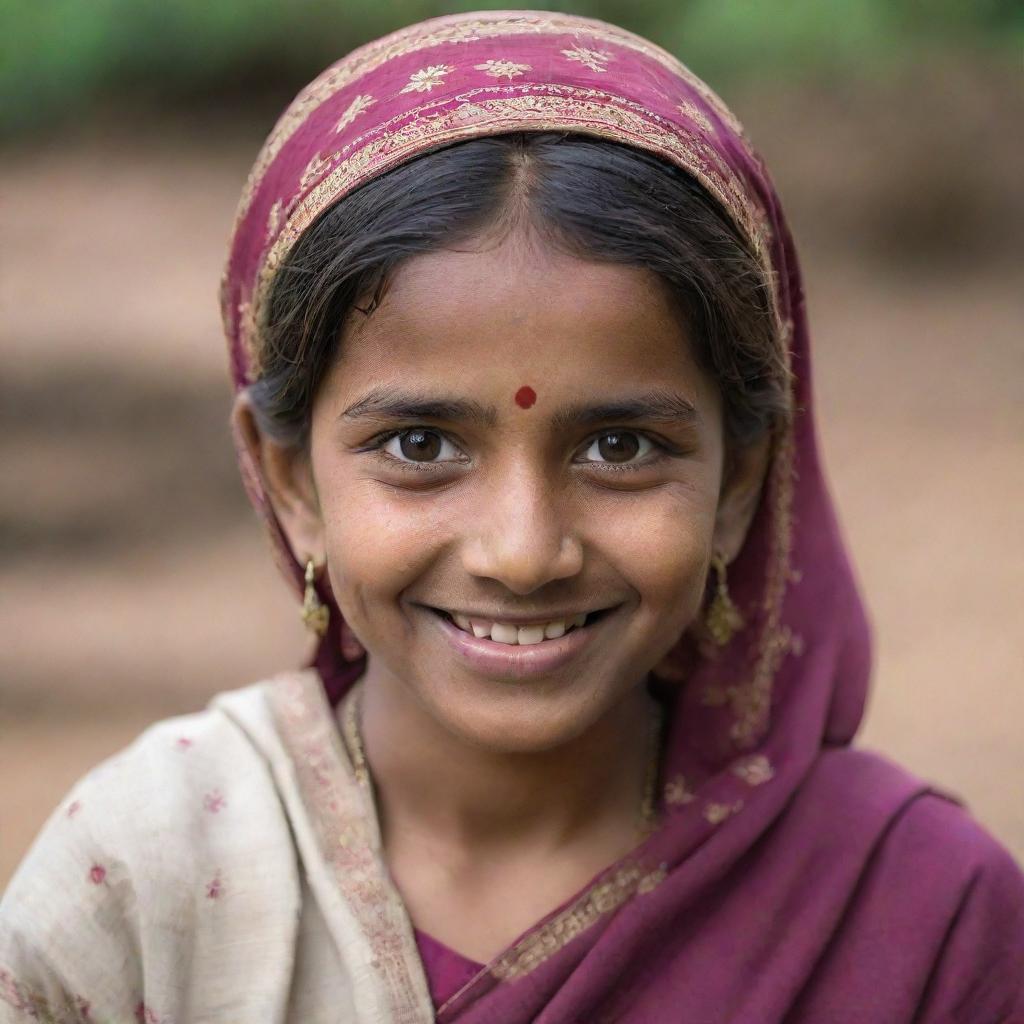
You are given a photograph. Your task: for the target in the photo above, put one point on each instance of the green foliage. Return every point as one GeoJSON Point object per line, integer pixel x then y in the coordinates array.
{"type": "Point", "coordinates": [59, 59]}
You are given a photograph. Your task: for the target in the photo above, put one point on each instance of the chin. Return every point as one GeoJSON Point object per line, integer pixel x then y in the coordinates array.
{"type": "Point", "coordinates": [520, 719]}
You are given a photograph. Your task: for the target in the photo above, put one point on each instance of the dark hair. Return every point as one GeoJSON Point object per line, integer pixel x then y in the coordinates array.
{"type": "Point", "coordinates": [596, 199]}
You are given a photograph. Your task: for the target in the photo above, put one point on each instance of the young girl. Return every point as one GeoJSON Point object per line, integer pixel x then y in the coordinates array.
{"type": "Point", "coordinates": [524, 396]}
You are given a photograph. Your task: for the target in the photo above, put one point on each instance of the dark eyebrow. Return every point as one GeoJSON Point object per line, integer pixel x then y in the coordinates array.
{"type": "Point", "coordinates": [388, 402]}
{"type": "Point", "coordinates": [659, 406]}
{"type": "Point", "coordinates": [392, 403]}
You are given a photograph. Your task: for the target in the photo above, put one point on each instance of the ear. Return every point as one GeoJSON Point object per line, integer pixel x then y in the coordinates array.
{"type": "Point", "coordinates": [287, 476]}
{"type": "Point", "coordinates": [742, 480]}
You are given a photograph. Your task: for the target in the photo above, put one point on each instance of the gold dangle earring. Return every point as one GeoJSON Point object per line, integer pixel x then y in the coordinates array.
{"type": "Point", "coordinates": [314, 612]}
{"type": "Point", "coordinates": [723, 618]}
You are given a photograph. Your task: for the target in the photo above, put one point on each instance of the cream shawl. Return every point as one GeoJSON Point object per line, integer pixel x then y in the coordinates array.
{"type": "Point", "coordinates": [225, 867]}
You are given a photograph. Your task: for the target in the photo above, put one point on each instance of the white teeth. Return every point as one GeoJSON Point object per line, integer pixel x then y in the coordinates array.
{"type": "Point", "coordinates": [531, 634]}
{"type": "Point", "coordinates": [506, 633]}
{"type": "Point", "coordinates": [503, 634]}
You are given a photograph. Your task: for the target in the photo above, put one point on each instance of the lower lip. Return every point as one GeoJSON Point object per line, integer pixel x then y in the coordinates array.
{"type": "Point", "coordinates": [516, 661]}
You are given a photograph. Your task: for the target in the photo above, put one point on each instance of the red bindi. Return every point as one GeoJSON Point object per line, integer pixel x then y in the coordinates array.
{"type": "Point", "coordinates": [525, 397]}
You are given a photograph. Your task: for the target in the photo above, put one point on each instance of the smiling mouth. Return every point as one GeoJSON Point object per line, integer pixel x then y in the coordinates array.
{"type": "Point", "coordinates": [514, 636]}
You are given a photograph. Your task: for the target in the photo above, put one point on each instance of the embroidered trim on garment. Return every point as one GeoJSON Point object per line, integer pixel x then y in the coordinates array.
{"type": "Point", "coordinates": [600, 899]}
{"type": "Point", "coordinates": [690, 110]}
{"type": "Point", "coordinates": [455, 29]}
{"type": "Point", "coordinates": [750, 701]}
{"type": "Point", "coordinates": [347, 837]}
{"type": "Point", "coordinates": [478, 112]}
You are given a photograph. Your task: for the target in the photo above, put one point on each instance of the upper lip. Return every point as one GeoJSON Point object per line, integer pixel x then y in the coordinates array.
{"type": "Point", "coordinates": [559, 615]}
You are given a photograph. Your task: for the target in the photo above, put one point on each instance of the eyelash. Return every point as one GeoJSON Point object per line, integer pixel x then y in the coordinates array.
{"type": "Point", "coordinates": [376, 445]}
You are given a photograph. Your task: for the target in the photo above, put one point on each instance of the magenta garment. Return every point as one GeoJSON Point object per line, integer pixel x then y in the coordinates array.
{"type": "Point", "coordinates": [447, 971]}
{"type": "Point", "coordinates": [792, 878]}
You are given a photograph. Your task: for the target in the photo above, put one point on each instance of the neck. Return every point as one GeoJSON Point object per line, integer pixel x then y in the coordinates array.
{"type": "Point", "coordinates": [472, 798]}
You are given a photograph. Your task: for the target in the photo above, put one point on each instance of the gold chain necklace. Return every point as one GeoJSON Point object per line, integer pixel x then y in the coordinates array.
{"type": "Point", "coordinates": [648, 818]}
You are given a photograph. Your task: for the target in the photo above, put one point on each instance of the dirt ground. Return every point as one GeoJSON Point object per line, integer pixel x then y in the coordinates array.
{"type": "Point", "coordinates": [136, 583]}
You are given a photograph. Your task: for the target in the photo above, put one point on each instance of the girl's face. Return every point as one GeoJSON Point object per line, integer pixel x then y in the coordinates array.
{"type": "Point", "coordinates": [520, 437]}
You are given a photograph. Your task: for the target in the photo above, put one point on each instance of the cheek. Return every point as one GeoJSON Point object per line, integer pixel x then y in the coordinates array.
{"type": "Point", "coordinates": [377, 545]}
{"type": "Point", "coordinates": [660, 544]}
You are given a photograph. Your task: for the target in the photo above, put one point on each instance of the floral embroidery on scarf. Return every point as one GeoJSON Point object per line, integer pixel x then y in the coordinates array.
{"type": "Point", "coordinates": [568, 104]}
{"type": "Point", "coordinates": [145, 1014]}
{"type": "Point", "coordinates": [74, 807]}
{"type": "Point", "coordinates": [755, 770]}
{"type": "Point", "coordinates": [316, 166]}
{"type": "Point", "coordinates": [678, 792]}
{"type": "Point", "coordinates": [334, 79]}
{"type": "Point", "coordinates": [593, 59]}
{"type": "Point", "coordinates": [695, 114]}
{"type": "Point", "coordinates": [214, 888]}
{"type": "Point", "coordinates": [716, 813]}
{"type": "Point", "coordinates": [183, 743]}
{"type": "Point", "coordinates": [501, 68]}
{"type": "Point", "coordinates": [214, 801]}
{"type": "Point", "coordinates": [97, 874]}
{"type": "Point", "coordinates": [73, 1010]}
{"type": "Point", "coordinates": [426, 78]}
{"type": "Point", "coordinates": [360, 104]}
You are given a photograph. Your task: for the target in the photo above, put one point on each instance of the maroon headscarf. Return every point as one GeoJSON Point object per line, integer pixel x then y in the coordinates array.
{"type": "Point", "coordinates": [751, 728]}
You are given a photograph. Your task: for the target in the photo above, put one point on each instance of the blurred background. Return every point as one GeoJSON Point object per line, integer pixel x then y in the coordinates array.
{"type": "Point", "coordinates": [134, 580]}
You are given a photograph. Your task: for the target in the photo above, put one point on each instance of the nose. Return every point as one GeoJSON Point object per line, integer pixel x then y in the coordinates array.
{"type": "Point", "coordinates": [526, 536]}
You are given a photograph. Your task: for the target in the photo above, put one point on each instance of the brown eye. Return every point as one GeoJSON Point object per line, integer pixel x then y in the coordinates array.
{"type": "Point", "coordinates": [420, 445]}
{"type": "Point", "coordinates": [618, 447]}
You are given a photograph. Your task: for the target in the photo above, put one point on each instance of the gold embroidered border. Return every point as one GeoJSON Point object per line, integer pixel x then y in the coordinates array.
{"type": "Point", "coordinates": [750, 703]}
{"type": "Point", "coordinates": [340, 817]}
{"type": "Point", "coordinates": [480, 113]}
{"type": "Point", "coordinates": [456, 29]}
{"type": "Point", "coordinates": [602, 898]}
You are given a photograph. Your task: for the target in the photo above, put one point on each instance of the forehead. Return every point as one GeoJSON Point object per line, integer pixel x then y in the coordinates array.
{"type": "Point", "coordinates": [520, 313]}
